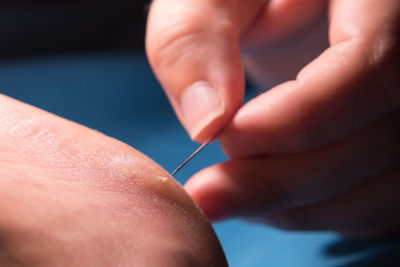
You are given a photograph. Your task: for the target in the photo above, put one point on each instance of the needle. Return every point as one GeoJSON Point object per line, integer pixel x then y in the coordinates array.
{"type": "Point", "coordinates": [193, 154]}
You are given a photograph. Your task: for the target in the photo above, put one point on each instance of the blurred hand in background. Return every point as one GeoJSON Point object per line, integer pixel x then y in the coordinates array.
{"type": "Point", "coordinates": [320, 150]}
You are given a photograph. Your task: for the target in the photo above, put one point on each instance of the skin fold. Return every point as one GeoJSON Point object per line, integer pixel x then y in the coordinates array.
{"type": "Point", "coordinates": [71, 196]}
{"type": "Point", "coordinates": [320, 149]}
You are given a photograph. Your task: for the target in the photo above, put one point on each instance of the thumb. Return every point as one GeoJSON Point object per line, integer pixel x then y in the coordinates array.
{"type": "Point", "coordinates": [193, 48]}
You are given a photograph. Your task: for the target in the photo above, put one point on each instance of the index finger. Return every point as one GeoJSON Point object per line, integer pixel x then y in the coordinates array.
{"type": "Point", "coordinates": [352, 84]}
{"type": "Point", "coordinates": [193, 48]}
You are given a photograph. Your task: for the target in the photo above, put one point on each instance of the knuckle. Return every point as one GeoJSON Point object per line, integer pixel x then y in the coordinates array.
{"type": "Point", "coordinates": [175, 51]}
{"type": "Point", "coordinates": [168, 42]}
{"type": "Point", "coordinates": [171, 52]}
{"type": "Point", "coordinates": [186, 32]}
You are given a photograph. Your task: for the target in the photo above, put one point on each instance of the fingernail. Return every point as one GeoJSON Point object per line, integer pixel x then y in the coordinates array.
{"type": "Point", "coordinates": [200, 104]}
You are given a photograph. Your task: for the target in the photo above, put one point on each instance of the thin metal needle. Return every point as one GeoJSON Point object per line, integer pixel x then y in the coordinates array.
{"type": "Point", "coordinates": [193, 154]}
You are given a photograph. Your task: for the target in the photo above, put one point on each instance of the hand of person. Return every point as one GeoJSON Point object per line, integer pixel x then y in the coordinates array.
{"type": "Point", "coordinates": [319, 151]}
{"type": "Point", "coordinates": [71, 196]}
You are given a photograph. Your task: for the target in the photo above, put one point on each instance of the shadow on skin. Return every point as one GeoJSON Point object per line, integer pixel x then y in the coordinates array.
{"type": "Point", "coordinates": [373, 252]}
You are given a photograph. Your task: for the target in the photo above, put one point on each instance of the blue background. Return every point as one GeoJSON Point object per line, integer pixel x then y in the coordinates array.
{"type": "Point", "coordinates": [118, 95]}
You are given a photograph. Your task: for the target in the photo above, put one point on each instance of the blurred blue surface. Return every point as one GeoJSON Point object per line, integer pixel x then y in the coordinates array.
{"type": "Point", "coordinates": [118, 95]}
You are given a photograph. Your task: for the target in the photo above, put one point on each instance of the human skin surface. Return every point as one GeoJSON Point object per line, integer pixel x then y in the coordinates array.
{"type": "Point", "coordinates": [71, 196]}
{"type": "Point", "coordinates": [320, 150]}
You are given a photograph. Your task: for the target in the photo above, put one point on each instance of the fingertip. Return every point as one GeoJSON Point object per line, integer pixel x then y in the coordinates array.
{"type": "Point", "coordinates": [194, 53]}
{"type": "Point", "coordinates": [203, 110]}
{"type": "Point", "coordinates": [210, 190]}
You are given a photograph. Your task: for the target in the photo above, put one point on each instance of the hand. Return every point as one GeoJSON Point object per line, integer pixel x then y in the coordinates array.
{"type": "Point", "coordinates": [309, 151]}
{"type": "Point", "coordinates": [71, 196]}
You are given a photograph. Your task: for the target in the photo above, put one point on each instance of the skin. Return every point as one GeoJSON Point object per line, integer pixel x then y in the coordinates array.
{"type": "Point", "coordinates": [71, 196]}
{"type": "Point", "coordinates": [323, 143]}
